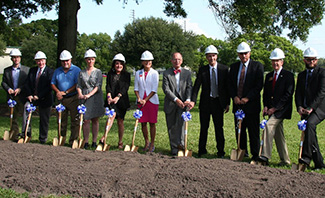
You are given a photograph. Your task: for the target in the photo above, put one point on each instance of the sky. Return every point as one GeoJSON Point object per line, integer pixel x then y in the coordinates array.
{"type": "Point", "coordinates": [112, 16]}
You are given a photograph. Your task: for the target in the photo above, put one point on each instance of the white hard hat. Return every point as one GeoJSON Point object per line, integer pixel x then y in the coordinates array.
{"type": "Point", "coordinates": [277, 54]}
{"type": "Point", "coordinates": [15, 52]}
{"type": "Point", "coordinates": [310, 52]}
{"type": "Point", "coordinates": [243, 47]}
{"type": "Point", "coordinates": [90, 53]}
{"type": "Point", "coordinates": [65, 55]}
{"type": "Point", "coordinates": [211, 49]}
{"type": "Point", "coordinates": [146, 55]}
{"type": "Point", "coordinates": [119, 57]}
{"type": "Point", "coordinates": [40, 55]}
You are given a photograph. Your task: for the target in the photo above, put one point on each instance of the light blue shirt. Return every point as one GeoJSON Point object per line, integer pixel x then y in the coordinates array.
{"type": "Point", "coordinates": [63, 81]}
{"type": "Point", "coordinates": [15, 76]}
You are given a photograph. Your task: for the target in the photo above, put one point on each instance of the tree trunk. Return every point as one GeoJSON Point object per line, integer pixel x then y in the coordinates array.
{"type": "Point", "coordinates": [67, 37]}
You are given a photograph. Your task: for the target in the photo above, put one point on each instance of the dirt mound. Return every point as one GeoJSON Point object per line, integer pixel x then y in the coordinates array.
{"type": "Point", "coordinates": [43, 170]}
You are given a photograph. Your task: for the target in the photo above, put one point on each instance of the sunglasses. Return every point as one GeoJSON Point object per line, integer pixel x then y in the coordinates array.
{"type": "Point", "coordinates": [310, 59]}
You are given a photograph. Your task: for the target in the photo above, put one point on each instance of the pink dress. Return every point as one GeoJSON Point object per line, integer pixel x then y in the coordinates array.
{"type": "Point", "coordinates": [149, 110]}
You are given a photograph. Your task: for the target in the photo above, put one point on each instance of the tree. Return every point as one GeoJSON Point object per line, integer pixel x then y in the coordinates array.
{"type": "Point", "coordinates": [158, 36]}
{"type": "Point", "coordinates": [39, 43]}
{"type": "Point", "coordinates": [100, 44]}
{"type": "Point", "coordinates": [2, 45]}
{"type": "Point", "coordinates": [269, 16]}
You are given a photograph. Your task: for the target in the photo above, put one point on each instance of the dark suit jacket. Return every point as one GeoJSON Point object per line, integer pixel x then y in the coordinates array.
{"type": "Point", "coordinates": [7, 81]}
{"type": "Point", "coordinates": [170, 88]}
{"type": "Point", "coordinates": [315, 94]}
{"type": "Point", "coordinates": [121, 85]}
{"type": "Point", "coordinates": [203, 78]}
{"type": "Point", "coordinates": [281, 98]}
{"type": "Point", "coordinates": [44, 90]}
{"type": "Point", "coordinates": [252, 86]}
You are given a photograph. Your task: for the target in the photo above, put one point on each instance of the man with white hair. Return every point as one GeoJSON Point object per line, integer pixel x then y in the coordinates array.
{"type": "Point", "coordinates": [310, 103]}
{"type": "Point", "coordinates": [14, 82]}
{"type": "Point", "coordinates": [277, 99]}
{"type": "Point", "coordinates": [245, 84]}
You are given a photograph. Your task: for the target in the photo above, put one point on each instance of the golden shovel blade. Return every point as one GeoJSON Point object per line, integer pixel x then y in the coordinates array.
{"type": "Point", "coordinates": [134, 148]}
{"type": "Point", "coordinates": [62, 140]}
{"type": "Point", "coordinates": [75, 144]}
{"type": "Point", "coordinates": [106, 147]}
{"type": "Point", "coordinates": [6, 135]}
{"type": "Point", "coordinates": [186, 153]}
{"type": "Point", "coordinates": [27, 139]}
{"type": "Point", "coordinates": [237, 154]}
{"type": "Point", "coordinates": [99, 147]}
{"type": "Point", "coordinates": [55, 141]}
{"type": "Point", "coordinates": [127, 148]}
{"type": "Point", "coordinates": [21, 141]}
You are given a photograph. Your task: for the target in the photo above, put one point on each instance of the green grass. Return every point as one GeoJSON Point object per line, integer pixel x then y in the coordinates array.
{"type": "Point", "coordinates": [292, 134]}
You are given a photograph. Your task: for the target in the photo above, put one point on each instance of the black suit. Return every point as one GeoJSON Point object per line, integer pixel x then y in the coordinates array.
{"type": "Point", "coordinates": [312, 97]}
{"type": "Point", "coordinates": [211, 106]}
{"type": "Point", "coordinates": [8, 83]}
{"type": "Point", "coordinates": [252, 87]}
{"type": "Point", "coordinates": [45, 97]}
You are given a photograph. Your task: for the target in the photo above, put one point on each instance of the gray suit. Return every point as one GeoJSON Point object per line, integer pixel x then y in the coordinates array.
{"type": "Point", "coordinates": [175, 123]}
{"type": "Point", "coordinates": [7, 83]}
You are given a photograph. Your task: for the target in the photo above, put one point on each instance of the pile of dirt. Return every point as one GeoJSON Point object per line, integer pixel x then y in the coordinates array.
{"type": "Point", "coordinates": [44, 170]}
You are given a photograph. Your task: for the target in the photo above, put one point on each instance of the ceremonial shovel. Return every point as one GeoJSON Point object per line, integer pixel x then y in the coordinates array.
{"type": "Point", "coordinates": [60, 140]}
{"type": "Point", "coordinates": [8, 134]}
{"type": "Point", "coordinates": [262, 126]}
{"type": "Point", "coordinates": [187, 153]}
{"type": "Point", "coordinates": [102, 146]}
{"type": "Point", "coordinates": [80, 143]}
{"type": "Point", "coordinates": [302, 127]}
{"type": "Point", "coordinates": [238, 154]}
{"type": "Point", "coordinates": [30, 108]}
{"type": "Point", "coordinates": [137, 114]}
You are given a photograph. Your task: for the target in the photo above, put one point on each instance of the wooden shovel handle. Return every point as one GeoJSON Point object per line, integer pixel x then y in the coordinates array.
{"type": "Point", "coordinates": [109, 124]}
{"type": "Point", "coordinates": [135, 131]}
{"type": "Point", "coordinates": [27, 124]}
{"type": "Point", "coordinates": [302, 138]}
{"type": "Point", "coordinates": [11, 116]}
{"type": "Point", "coordinates": [80, 125]}
{"type": "Point", "coordinates": [59, 124]}
{"type": "Point", "coordinates": [239, 131]}
{"type": "Point", "coordinates": [185, 135]}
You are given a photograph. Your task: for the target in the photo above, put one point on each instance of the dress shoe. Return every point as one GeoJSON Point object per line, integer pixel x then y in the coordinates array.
{"type": "Point", "coordinates": [263, 159]}
{"type": "Point", "coordinates": [304, 161]}
{"type": "Point", "coordinates": [86, 146]}
{"type": "Point", "coordinates": [202, 153]}
{"type": "Point", "coordinates": [283, 163]}
{"type": "Point", "coordinates": [94, 145]}
{"type": "Point", "coordinates": [221, 156]}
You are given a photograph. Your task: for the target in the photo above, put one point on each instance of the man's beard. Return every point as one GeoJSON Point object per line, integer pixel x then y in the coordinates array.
{"type": "Point", "coordinates": [309, 67]}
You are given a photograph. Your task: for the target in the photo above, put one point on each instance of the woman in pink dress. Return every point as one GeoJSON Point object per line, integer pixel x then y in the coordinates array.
{"type": "Point", "coordinates": [145, 88]}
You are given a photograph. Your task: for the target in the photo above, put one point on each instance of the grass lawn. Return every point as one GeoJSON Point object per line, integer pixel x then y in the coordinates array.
{"type": "Point", "coordinates": [292, 133]}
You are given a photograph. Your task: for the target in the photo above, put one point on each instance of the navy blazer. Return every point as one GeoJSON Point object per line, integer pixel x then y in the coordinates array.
{"type": "Point", "coordinates": [44, 90]}
{"type": "Point", "coordinates": [281, 97]}
{"type": "Point", "coordinates": [203, 78]}
{"type": "Point", "coordinates": [7, 81]}
{"type": "Point", "coordinates": [252, 86]}
{"type": "Point", "coordinates": [315, 92]}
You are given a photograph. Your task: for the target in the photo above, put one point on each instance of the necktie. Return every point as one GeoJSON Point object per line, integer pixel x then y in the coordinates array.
{"type": "Point", "coordinates": [241, 82]}
{"type": "Point", "coordinates": [214, 86]}
{"type": "Point", "coordinates": [274, 80]}
{"type": "Point", "coordinates": [177, 71]}
{"type": "Point", "coordinates": [308, 76]}
{"type": "Point", "coordinates": [37, 79]}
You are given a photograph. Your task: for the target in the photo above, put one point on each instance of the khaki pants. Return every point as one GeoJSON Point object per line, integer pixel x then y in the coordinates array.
{"type": "Point", "coordinates": [19, 108]}
{"type": "Point", "coordinates": [274, 129]}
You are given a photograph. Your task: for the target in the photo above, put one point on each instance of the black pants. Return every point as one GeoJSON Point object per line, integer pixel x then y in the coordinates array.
{"type": "Point", "coordinates": [252, 123]}
{"type": "Point", "coordinates": [310, 148]}
{"type": "Point", "coordinates": [217, 115]}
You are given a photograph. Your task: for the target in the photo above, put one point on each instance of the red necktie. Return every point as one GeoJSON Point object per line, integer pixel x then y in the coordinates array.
{"type": "Point", "coordinates": [37, 79]}
{"type": "Point", "coordinates": [274, 80]}
{"type": "Point", "coordinates": [177, 71]}
{"type": "Point", "coordinates": [241, 82]}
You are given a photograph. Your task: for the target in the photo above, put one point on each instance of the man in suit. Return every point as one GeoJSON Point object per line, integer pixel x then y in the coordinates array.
{"type": "Point", "coordinates": [39, 92]}
{"type": "Point", "coordinates": [277, 99]}
{"type": "Point", "coordinates": [245, 84]}
{"type": "Point", "coordinates": [177, 86]}
{"type": "Point", "coordinates": [214, 99]}
{"type": "Point", "coordinates": [63, 83]}
{"type": "Point", "coordinates": [14, 81]}
{"type": "Point", "coordinates": [310, 103]}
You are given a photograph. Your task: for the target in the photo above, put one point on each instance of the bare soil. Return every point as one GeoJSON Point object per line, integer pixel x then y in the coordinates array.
{"type": "Point", "coordinates": [44, 170]}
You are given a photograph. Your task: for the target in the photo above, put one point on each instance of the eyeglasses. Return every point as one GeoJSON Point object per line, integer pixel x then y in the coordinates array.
{"type": "Point", "coordinates": [310, 59]}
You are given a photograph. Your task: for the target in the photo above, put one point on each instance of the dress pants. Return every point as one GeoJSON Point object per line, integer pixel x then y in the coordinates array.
{"type": "Point", "coordinates": [217, 115]}
{"type": "Point", "coordinates": [310, 148]}
{"type": "Point", "coordinates": [251, 122]}
{"type": "Point", "coordinates": [175, 125]}
{"type": "Point", "coordinates": [71, 106]}
{"type": "Point", "coordinates": [274, 129]}
{"type": "Point", "coordinates": [19, 108]}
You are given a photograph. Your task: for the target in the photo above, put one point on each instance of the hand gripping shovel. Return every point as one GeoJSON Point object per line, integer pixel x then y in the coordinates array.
{"type": "Point", "coordinates": [8, 134]}
{"type": "Point", "coordinates": [60, 140]}
{"type": "Point", "coordinates": [102, 146]}
{"type": "Point", "coordinates": [185, 153]}
{"type": "Point", "coordinates": [302, 127]}
{"type": "Point", "coordinates": [79, 143]}
{"type": "Point", "coordinates": [238, 154]}
{"type": "Point", "coordinates": [262, 126]}
{"type": "Point", "coordinates": [137, 115]}
{"type": "Point", "coordinates": [30, 108]}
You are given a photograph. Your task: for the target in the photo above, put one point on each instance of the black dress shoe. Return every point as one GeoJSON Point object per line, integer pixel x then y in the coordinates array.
{"type": "Point", "coordinates": [304, 161]}
{"type": "Point", "coordinates": [262, 159]}
{"type": "Point", "coordinates": [202, 153]}
{"type": "Point", "coordinates": [86, 146]}
{"type": "Point", "coordinates": [94, 145]}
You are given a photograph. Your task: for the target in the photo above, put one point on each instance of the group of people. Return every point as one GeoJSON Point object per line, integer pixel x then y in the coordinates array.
{"type": "Point", "coordinates": [242, 83]}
